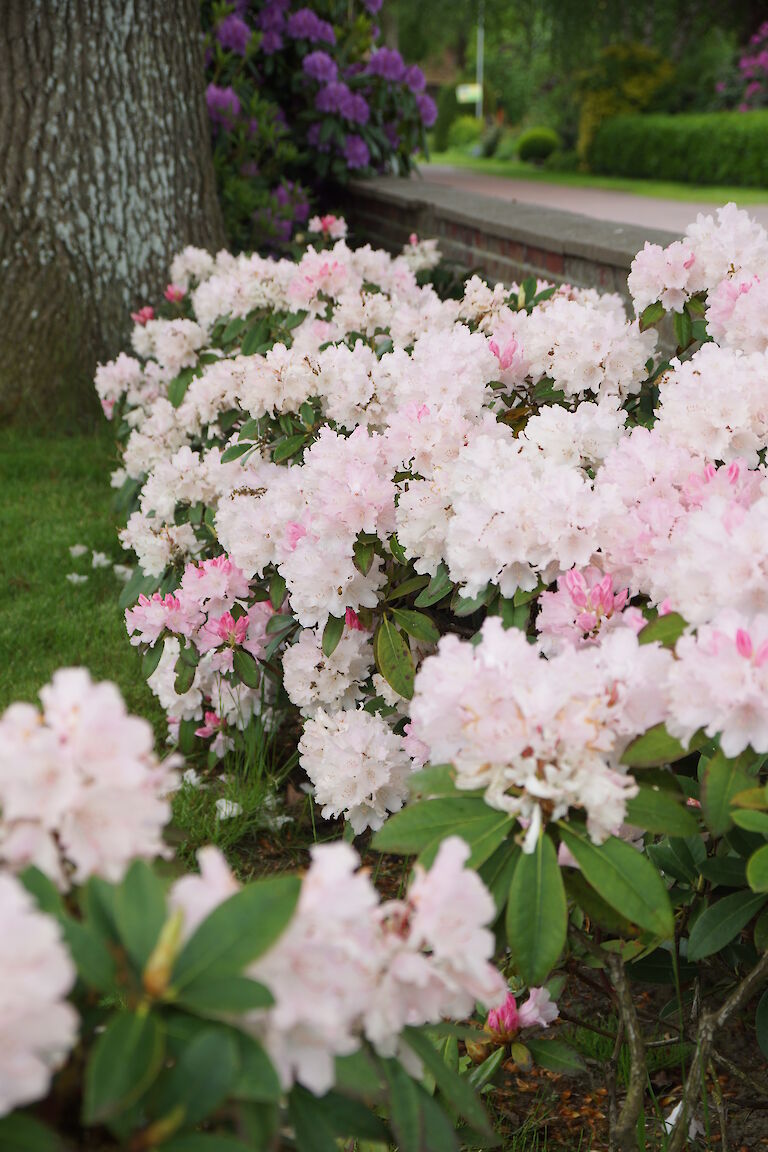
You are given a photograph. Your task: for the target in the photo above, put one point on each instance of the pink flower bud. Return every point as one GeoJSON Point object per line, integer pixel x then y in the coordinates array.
{"type": "Point", "coordinates": [504, 1021]}
{"type": "Point", "coordinates": [174, 293]}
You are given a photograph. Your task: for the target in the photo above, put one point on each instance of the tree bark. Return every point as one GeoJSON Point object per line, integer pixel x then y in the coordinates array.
{"type": "Point", "coordinates": [105, 172]}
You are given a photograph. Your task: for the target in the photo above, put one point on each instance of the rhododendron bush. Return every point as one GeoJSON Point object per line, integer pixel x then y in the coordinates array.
{"type": "Point", "coordinates": [147, 1004]}
{"type": "Point", "coordinates": [507, 563]}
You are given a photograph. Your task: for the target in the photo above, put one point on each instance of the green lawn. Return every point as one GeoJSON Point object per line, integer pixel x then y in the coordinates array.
{"type": "Point", "coordinates": [55, 492]}
{"type": "Point", "coordinates": [666, 190]}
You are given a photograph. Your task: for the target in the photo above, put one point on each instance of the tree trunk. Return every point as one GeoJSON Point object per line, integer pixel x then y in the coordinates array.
{"type": "Point", "coordinates": [105, 172]}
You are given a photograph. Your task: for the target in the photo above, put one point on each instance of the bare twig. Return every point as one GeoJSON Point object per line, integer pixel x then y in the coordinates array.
{"type": "Point", "coordinates": [720, 1104]}
{"type": "Point", "coordinates": [709, 1024]}
{"type": "Point", "coordinates": [626, 1126]}
{"type": "Point", "coordinates": [623, 1128]}
{"type": "Point", "coordinates": [734, 1070]}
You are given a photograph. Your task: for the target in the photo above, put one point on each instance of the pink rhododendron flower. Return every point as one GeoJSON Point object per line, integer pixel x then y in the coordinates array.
{"type": "Point", "coordinates": [143, 316]}
{"type": "Point", "coordinates": [174, 293]}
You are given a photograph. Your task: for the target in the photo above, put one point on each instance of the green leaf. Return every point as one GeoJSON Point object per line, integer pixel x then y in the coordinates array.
{"type": "Point", "coordinates": [757, 869]}
{"type": "Point", "coordinates": [255, 337]}
{"type": "Point", "coordinates": [625, 879]}
{"type": "Point", "coordinates": [332, 634]}
{"type": "Point", "coordinates": [485, 1072]}
{"type": "Point", "coordinates": [177, 389]}
{"type": "Point", "coordinates": [594, 906]}
{"type": "Point", "coordinates": [238, 931]}
{"type": "Point", "coordinates": [289, 447]}
{"type": "Point", "coordinates": [761, 1024]}
{"type": "Point", "coordinates": [313, 1132]}
{"type": "Point", "coordinates": [656, 746]}
{"type": "Point", "coordinates": [235, 451]}
{"type": "Point", "coordinates": [397, 550]}
{"type": "Point", "coordinates": [151, 658]}
{"type": "Point", "coordinates": [204, 1142]}
{"type": "Point", "coordinates": [21, 1133]}
{"type": "Point", "coordinates": [359, 1075]}
{"type": "Point", "coordinates": [212, 996]}
{"type": "Point", "coordinates": [658, 968]}
{"type": "Point", "coordinates": [422, 826]}
{"type": "Point", "coordinates": [335, 1116]}
{"type": "Point", "coordinates": [537, 912]}
{"type": "Point", "coordinates": [439, 586]}
{"type": "Point", "coordinates": [187, 730]}
{"type": "Point", "coordinates": [751, 820]}
{"type": "Point", "coordinates": [456, 1089]}
{"type": "Point", "coordinates": [124, 1062]}
{"type": "Point", "coordinates": [404, 1108]}
{"type": "Point", "coordinates": [201, 1078]}
{"type": "Point", "coordinates": [46, 894]}
{"type": "Point", "coordinates": [246, 668]}
{"type": "Point", "coordinates": [555, 1055]}
{"type": "Point", "coordinates": [433, 780]}
{"type": "Point", "coordinates": [407, 587]}
{"type": "Point", "coordinates": [681, 323]}
{"type": "Point", "coordinates": [655, 810]}
{"type": "Point", "coordinates": [667, 630]}
{"type": "Point", "coordinates": [722, 922]}
{"type": "Point", "coordinates": [185, 676]}
{"type": "Point", "coordinates": [497, 872]}
{"type": "Point", "coordinates": [438, 1130]}
{"type": "Point", "coordinates": [393, 658]}
{"type": "Point", "coordinates": [651, 315]}
{"type": "Point", "coordinates": [232, 330]}
{"type": "Point", "coordinates": [277, 591]}
{"type": "Point", "coordinates": [257, 1079]}
{"type": "Point", "coordinates": [723, 778]}
{"type": "Point", "coordinates": [727, 871]}
{"type": "Point", "coordinates": [93, 960]}
{"type": "Point", "coordinates": [466, 605]}
{"type": "Point", "coordinates": [363, 551]}
{"type": "Point", "coordinates": [140, 911]}
{"type": "Point", "coordinates": [293, 319]}
{"type": "Point", "coordinates": [416, 624]}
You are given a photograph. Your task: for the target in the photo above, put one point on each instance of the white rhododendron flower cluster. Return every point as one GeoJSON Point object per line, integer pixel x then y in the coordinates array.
{"type": "Point", "coordinates": [82, 792]}
{"type": "Point", "coordinates": [384, 469]}
{"type": "Point", "coordinates": [349, 968]}
{"type": "Point", "coordinates": [38, 1028]}
{"type": "Point", "coordinates": [540, 735]}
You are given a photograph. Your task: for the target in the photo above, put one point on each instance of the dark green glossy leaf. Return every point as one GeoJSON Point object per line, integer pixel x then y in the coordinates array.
{"type": "Point", "coordinates": [625, 879]}
{"type": "Point", "coordinates": [416, 624]}
{"type": "Point", "coordinates": [537, 913]}
{"type": "Point", "coordinates": [332, 634]}
{"type": "Point", "coordinates": [722, 922]}
{"type": "Point", "coordinates": [124, 1062]}
{"type": "Point", "coordinates": [393, 658]}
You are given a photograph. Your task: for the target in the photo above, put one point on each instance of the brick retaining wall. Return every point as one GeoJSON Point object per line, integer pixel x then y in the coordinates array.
{"type": "Point", "coordinates": [503, 240]}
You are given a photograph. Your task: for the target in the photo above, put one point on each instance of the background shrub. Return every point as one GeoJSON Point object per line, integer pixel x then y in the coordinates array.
{"type": "Point", "coordinates": [707, 148]}
{"type": "Point", "coordinates": [301, 100]}
{"type": "Point", "coordinates": [537, 144]}
{"type": "Point", "coordinates": [447, 111]}
{"type": "Point", "coordinates": [625, 78]}
{"type": "Point", "coordinates": [464, 131]}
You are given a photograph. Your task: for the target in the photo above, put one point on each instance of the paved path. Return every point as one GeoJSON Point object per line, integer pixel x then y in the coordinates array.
{"type": "Point", "coordinates": [621, 207]}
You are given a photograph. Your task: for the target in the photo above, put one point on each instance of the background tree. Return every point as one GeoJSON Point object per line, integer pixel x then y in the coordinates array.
{"type": "Point", "coordinates": [105, 172]}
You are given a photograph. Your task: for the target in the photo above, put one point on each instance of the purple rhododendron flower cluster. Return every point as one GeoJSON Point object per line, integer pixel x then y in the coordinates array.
{"type": "Point", "coordinates": [302, 92]}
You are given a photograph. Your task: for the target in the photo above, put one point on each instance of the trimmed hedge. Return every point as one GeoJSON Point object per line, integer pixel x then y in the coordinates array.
{"type": "Point", "coordinates": [537, 143]}
{"type": "Point", "coordinates": [698, 148]}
